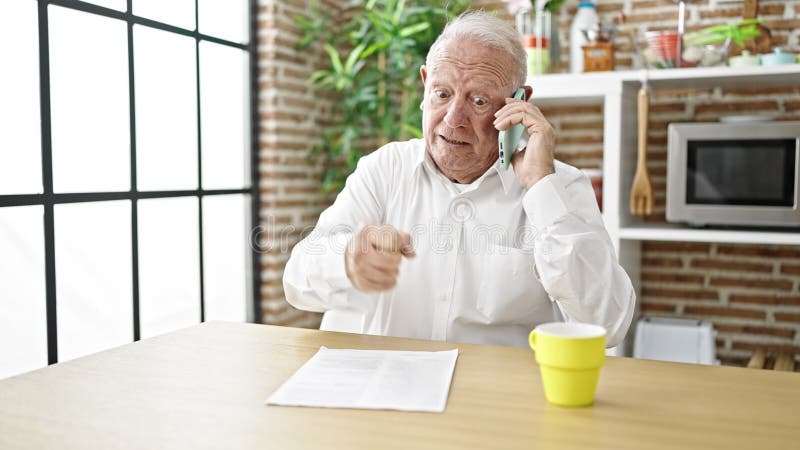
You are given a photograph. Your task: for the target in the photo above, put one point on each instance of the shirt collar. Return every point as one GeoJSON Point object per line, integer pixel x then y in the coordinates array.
{"type": "Point", "coordinates": [507, 177]}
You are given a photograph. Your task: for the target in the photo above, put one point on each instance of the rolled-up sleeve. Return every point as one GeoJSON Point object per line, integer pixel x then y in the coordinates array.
{"type": "Point", "coordinates": [574, 257]}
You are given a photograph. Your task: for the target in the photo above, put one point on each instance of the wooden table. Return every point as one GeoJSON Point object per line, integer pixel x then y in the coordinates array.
{"type": "Point", "coordinates": [205, 386]}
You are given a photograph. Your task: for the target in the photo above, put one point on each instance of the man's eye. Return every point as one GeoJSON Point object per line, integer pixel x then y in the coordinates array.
{"type": "Point", "coordinates": [480, 101]}
{"type": "Point", "coordinates": [440, 93]}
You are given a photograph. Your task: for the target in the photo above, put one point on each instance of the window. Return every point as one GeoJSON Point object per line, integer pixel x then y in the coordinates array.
{"type": "Point", "coordinates": [127, 178]}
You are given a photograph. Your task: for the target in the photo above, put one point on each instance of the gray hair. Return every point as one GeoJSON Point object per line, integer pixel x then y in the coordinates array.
{"type": "Point", "coordinates": [489, 30]}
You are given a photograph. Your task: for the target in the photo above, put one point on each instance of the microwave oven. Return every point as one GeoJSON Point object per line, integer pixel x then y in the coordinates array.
{"type": "Point", "coordinates": [734, 174]}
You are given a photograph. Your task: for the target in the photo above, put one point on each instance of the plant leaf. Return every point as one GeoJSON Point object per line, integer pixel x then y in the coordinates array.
{"type": "Point", "coordinates": [413, 131]}
{"type": "Point", "coordinates": [318, 75]}
{"type": "Point", "coordinates": [336, 62]}
{"type": "Point", "coordinates": [375, 47]}
{"type": "Point", "coordinates": [353, 57]}
{"type": "Point", "coordinates": [414, 29]}
{"type": "Point", "coordinates": [305, 42]}
{"type": "Point", "coordinates": [398, 12]}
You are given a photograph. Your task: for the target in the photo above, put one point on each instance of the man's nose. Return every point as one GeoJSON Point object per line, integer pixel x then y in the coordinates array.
{"type": "Point", "coordinates": [456, 114]}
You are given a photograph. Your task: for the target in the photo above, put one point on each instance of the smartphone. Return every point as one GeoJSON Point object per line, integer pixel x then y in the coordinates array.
{"type": "Point", "coordinates": [508, 139]}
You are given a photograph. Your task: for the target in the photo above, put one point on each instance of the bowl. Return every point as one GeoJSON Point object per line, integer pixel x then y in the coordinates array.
{"type": "Point", "coordinates": [707, 55]}
{"type": "Point", "coordinates": [777, 57]}
{"type": "Point", "coordinates": [746, 59]}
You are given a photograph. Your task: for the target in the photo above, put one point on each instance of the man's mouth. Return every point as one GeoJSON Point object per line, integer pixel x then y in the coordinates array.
{"type": "Point", "coordinates": [453, 141]}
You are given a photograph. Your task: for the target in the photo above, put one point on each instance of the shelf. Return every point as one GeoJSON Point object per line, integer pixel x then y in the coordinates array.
{"type": "Point", "coordinates": [575, 87]}
{"type": "Point", "coordinates": [595, 85]}
{"type": "Point", "coordinates": [686, 234]}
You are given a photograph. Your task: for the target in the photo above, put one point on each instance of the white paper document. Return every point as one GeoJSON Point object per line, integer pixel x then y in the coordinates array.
{"type": "Point", "coordinates": [371, 379]}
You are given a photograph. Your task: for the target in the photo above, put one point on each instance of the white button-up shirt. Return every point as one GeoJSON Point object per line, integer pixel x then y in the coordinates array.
{"type": "Point", "coordinates": [493, 260]}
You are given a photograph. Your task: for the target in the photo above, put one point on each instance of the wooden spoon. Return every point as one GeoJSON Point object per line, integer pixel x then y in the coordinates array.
{"type": "Point", "coordinates": [642, 190]}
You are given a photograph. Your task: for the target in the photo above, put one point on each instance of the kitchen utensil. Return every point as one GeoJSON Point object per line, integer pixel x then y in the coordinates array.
{"type": "Point", "coordinates": [642, 190]}
{"type": "Point", "coordinates": [757, 359]}
{"type": "Point", "coordinates": [681, 28]}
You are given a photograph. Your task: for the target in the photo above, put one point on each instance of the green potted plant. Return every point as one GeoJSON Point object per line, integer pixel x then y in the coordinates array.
{"type": "Point", "coordinates": [710, 46]}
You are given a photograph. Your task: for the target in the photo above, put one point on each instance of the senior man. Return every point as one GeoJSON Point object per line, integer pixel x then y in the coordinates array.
{"type": "Point", "coordinates": [432, 239]}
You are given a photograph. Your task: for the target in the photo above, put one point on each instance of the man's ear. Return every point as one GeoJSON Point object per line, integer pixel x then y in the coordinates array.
{"type": "Point", "coordinates": [423, 73]}
{"type": "Point", "coordinates": [528, 92]}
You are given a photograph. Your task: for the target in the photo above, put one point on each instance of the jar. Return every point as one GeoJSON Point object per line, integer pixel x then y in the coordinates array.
{"type": "Point", "coordinates": [538, 52]}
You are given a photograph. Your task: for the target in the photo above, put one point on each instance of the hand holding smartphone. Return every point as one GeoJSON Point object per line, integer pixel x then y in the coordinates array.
{"type": "Point", "coordinates": [508, 139]}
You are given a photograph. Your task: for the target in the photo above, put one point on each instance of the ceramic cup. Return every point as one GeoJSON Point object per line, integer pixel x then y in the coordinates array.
{"type": "Point", "coordinates": [570, 356]}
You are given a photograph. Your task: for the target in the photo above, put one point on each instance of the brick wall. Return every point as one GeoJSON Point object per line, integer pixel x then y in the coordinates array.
{"type": "Point", "coordinates": [782, 17]}
{"type": "Point", "coordinates": [291, 113]}
{"type": "Point", "coordinates": [750, 292]}
{"type": "Point", "coordinates": [692, 280]}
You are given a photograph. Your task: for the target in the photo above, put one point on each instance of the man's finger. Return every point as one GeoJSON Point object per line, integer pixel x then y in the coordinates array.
{"type": "Point", "coordinates": [383, 238]}
{"type": "Point", "coordinates": [519, 106]}
{"type": "Point", "coordinates": [374, 280]}
{"type": "Point", "coordinates": [386, 262]}
{"type": "Point", "coordinates": [377, 277]}
{"type": "Point", "coordinates": [503, 114]}
{"type": "Point", "coordinates": [406, 246]}
{"type": "Point", "coordinates": [509, 119]}
{"type": "Point", "coordinates": [388, 239]}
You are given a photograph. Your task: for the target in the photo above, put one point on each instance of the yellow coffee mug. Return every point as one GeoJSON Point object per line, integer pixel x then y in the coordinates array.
{"type": "Point", "coordinates": [569, 356]}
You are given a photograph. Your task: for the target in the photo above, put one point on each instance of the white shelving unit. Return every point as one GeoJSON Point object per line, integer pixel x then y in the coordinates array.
{"type": "Point", "coordinates": [556, 88]}
{"type": "Point", "coordinates": [616, 91]}
{"type": "Point", "coordinates": [684, 234]}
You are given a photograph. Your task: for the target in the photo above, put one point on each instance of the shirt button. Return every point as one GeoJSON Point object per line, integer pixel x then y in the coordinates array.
{"type": "Point", "coordinates": [443, 297]}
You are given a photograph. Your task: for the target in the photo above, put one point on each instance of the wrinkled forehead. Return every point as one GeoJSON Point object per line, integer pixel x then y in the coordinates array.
{"type": "Point", "coordinates": [473, 60]}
